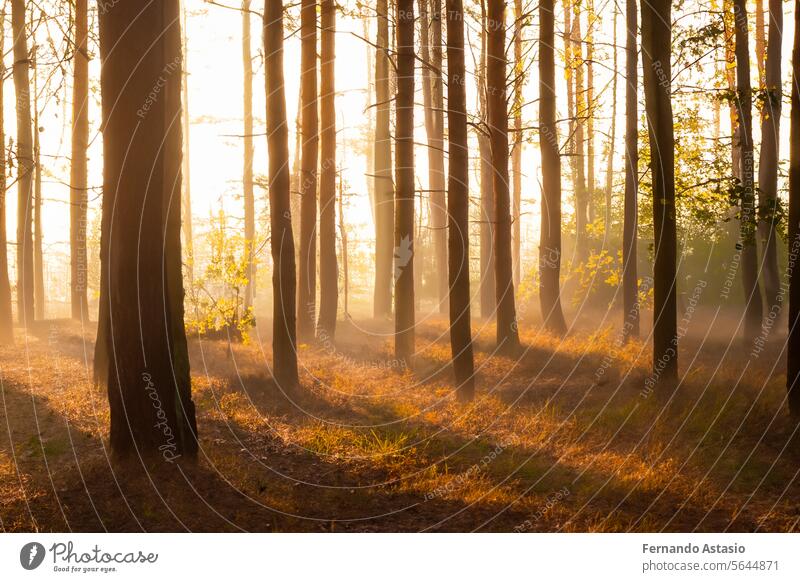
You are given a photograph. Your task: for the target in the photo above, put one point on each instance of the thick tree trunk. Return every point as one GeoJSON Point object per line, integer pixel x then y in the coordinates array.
{"type": "Point", "coordinates": [656, 54]}
{"type": "Point", "coordinates": [148, 386]}
{"type": "Point", "coordinates": [793, 347]}
{"type": "Point", "coordinates": [247, 168]}
{"type": "Point", "coordinates": [6, 317]}
{"type": "Point", "coordinates": [630, 282]}
{"type": "Point", "coordinates": [458, 205]}
{"type": "Point", "coordinates": [770, 148]}
{"type": "Point", "coordinates": [382, 171]}
{"type": "Point", "coordinates": [516, 150]}
{"type": "Point", "coordinates": [25, 284]}
{"type": "Point", "coordinates": [404, 178]}
{"type": "Point", "coordinates": [284, 332]}
{"type": "Point", "coordinates": [748, 220]}
{"type": "Point", "coordinates": [550, 245]}
{"type": "Point", "coordinates": [488, 300]}
{"type": "Point", "coordinates": [328, 269]}
{"type": "Point", "coordinates": [307, 281]}
{"type": "Point", "coordinates": [79, 182]}
{"type": "Point", "coordinates": [507, 333]}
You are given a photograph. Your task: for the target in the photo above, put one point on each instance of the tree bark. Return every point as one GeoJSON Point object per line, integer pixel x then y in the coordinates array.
{"type": "Point", "coordinates": [186, 209]}
{"type": "Point", "coordinates": [488, 300]}
{"type": "Point", "coordinates": [793, 345]}
{"type": "Point", "coordinates": [382, 171]}
{"type": "Point", "coordinates": [590, 169]}
{"type": "Point", "coordinates": [507, 333]}
{"type": "Point", "coordinates": [458, 205]}
{"type": "Point", "coordinates": [38, 255]}
{"type": "Point", "coordinates": [307, 282]}
{"type": "Point", "coordinates": [581, 202]}
{"type": "Point", "coordinates": [630, 281]}
{"type": "Point", "coordinates": [770, 149]}
{"type": "Point", "coordinates": [148, 386]}
{"type": "Point", "coordinates": [328, 269]}
{"type": "Point", "coordinates": [748, 220]}
{"type": "Point", "coordinates": [404, 177]}
{"type": "Point", "coordinates": [656, 47]}
{"type": "Point", "coordinates": [516, 150]}
{"type": "Point", "coordinates": [611, 138]}
{"type": "Point", "coordinates": [6, 317]}
{"type": "Point", "coordinates": [247, 168]}
{"type": "Point", "coordinates": [79, 181]}
{"type": "Point", "coordinates": [25, 284]}
{"type": "Point", "coordinates": [550, 245]}
{"type": "Point", "coordinates": [284, 331]}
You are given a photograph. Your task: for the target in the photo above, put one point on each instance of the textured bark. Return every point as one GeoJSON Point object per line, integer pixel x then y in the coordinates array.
{"type": "Point", "coordinates": [507, 333]}
{"type": "Point", "coordinates": [186, 192]}
{"type": "Point", "coordinates": [569, 78]}
{"type": "Point", "coordinates": [730, 76]}
{"type": "Point", "coordinates": [328, 269]}
{"type": "Point", "coordinates": [550, 244]}
{"type": "Point", "coordinates": [25, 284]}
{"type": "Point", "coordinates": [6, 317]}
{"type": "Point", "coordinates": [382, 171]}
{"type": "Point", "coordinates": [488, 300]}
{"type": "Point", "coordinates": [770, 150]}
{"type": "Point", "coordinates": [307, 280]}
{"type": "Point", "coordinates": [590, 150]}
{"type": "Point", "coordinates": [247, 168]}
{"type": "Point", "coordinates": [752, 292]}
{"type": "Point", "coordinates": [404, 178]}
{"type": "Point", "coordinates": [793, 347]}
{"type": "Point", "coordinates": [284, 332]}
{"type": "Point", "coordinates": [581, 203]}
{"type": "Point", "coordinates": [656, 46]}
{"type": "Point", "coordinates": [78, 177]}
{"type": "Point", "coordinates": [458, 205]}
{"type": "Point", "coordinates": [516, 150]}
{"type": "Point", "coordinates": [630, 281]}
{"type": "Point", "coordinates": [148, 384]}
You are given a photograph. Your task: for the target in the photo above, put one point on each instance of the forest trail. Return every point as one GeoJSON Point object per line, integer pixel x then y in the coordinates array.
{"type": "Point", "coordinates": [560, 439]}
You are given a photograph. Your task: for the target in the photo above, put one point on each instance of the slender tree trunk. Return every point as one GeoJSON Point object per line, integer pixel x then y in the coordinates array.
{"type": "Point", "coordinates": [550, 245]}
{"type": "Point", "coordinates": [284, 332]}
{"type": "Point", "coordinates": [770, 148]}
{"type": "Point", "coordinates": [581, 202]}
{"type": "Point", "coordinates": [516, 150]}
{"type": "Point", "coordinates": [38, 255]}
{"type": "Point", "coordinates": [79, 181]}
{"type": "Point", "coordinates": [760, 42]}
{"type": "Point", "coordinates": [590, 169]}
{"type": "Point", "coordinates": [569, 77]}
{"type": "Point", "coordinates": [247, 169]}
{"type": "Point", "coordinates": [404, 177]}
{"type": "Point", "coordinates": [488, 300]}
{"type": "Point", "coordinates": [507, 333]}
{"type": "Point", "coordinates": [611, 137]}
{"type": "Point", "coordinates": [382, 171]}
{"type": "Point", "coordinates": [186, 194]}
{"type": "Point", "coordinates": [752, 292]}
{"type": "Point", "coordinates": [149, 387]}
{"type": "Point", "coordinates": [793, 347]}
{"type": "Point", "coordinates": [6, 317]}
{"type": "Point", "coordinates": [345, 262]}
{"type": "Point", "coordinates": [328, 269]}
{"type": "Point", "coordinates": [656, 54]}
{"type": "Point", "coordinates": [458, 205]}
{"type": "Point", "coordinates": [307, 282]}
{"type": "Point", "coordinates": [730, 75]}
{"type": "Point", "coordinates": [25, 163]}
{"type": "Point", "coordinates": [630, 281]}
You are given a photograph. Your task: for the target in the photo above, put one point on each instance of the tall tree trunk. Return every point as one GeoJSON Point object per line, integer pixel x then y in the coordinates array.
{"type": "Point", "coordinates": [186, 193]}
{"type": "Point", "coordinates": [458, 205]}
{"type": "Point", "coordinates": [630, 227]}
{"type": "Point", "coordinates": [247, 168]}
{"type": "Point", "coordinates": [611, 137]}
{"type": "Point", "coordinates": [345, 263]}
{"type": "Point", "coordinates": [148, 387]}
{"type": "Point", "coordinates": [79, 181]}
{"type": "Point", "coordinates": [307, 281]}
{"type": "Point", "coordinates": [38, 255]}
{"type": "Point", "coordinates": [569, 77]}
{"type": "Point", "coordinates": [770, 148]}
{"type": "Point", "coordinates": [793, 347]}
{"type": "Point", "coordinates": [730, 75]}
{"type": "Point", "coordinates": [761, 42]}
{"type": "Point", "coordinates": [516, 150]}
{"type": "Point", "coordinates": [752, 292]}
{"type": "Point", "coordinates": [507, 333]}
{"type": "Point", "coordinates": [6, 317]}
{"type": "Point", "coordinates": [328, 269]}
{"type": "Point", "coordinates": [550, 245]}
{"type": "Point", "coordinates": [488, 300]}
{"type": "Point", "coordinates": [284, 332]}
{"type": "Point", "coordinates": [382, 171]}
{"type": "Point", "coordinates": [404, 177]}
{"type": "Point", "coordinates": [581, 203]}
{"type": "Point", "coordinates": [590, 194]}
{"type": "Point", "coordinates": [656, 54]}
{"type": "Point", "coordinates": [25, 164]}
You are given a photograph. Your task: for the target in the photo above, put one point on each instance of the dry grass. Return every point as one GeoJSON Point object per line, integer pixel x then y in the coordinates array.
{"type": "Point", "coordinates": [559, 439]}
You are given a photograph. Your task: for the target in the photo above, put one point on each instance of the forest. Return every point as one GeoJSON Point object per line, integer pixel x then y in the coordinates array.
{"type": "Point", "coordinates": [399, 266]}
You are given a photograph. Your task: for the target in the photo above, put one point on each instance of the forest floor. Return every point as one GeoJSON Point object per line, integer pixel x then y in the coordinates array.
{"type": "Point", "coordinates": [565, 437]}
